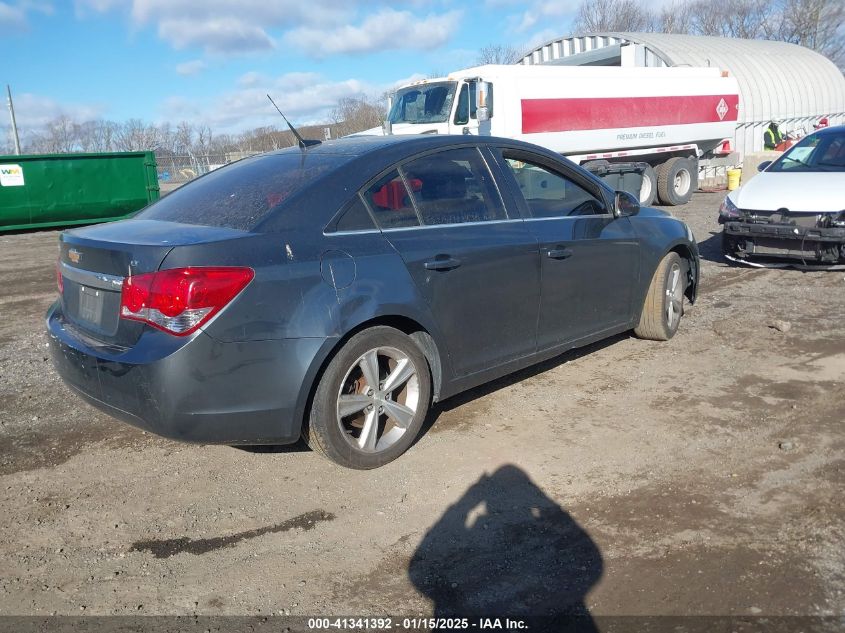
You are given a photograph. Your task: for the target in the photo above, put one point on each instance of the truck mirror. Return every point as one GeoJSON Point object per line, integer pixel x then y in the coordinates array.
{"type": "Point", "coordinates": [482, 101]}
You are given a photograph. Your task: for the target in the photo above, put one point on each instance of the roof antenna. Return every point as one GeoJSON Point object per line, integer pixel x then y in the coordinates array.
{"type": "Point", "coordinates": [303, 143]}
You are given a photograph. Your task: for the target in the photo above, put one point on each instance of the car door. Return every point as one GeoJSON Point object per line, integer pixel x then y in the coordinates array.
{"type": "Point", "coordinates": [588, 258]}
{"type": "Point", "coordinates": [473, 262]}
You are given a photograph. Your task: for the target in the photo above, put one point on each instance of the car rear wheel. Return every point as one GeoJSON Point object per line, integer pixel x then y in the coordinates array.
{"type": "Point", "coordinates": [664, 302]}
{"type": "Point", "coordinates": [371, 401]}
{"type": "Point", "coordinates": [677, 179]}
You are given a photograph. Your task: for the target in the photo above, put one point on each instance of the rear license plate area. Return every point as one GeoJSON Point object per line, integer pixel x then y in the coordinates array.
{"type": "Point", "coordinates": [91, 305]}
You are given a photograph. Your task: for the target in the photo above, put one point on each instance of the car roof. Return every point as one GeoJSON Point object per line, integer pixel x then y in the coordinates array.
{"type": "Point", "coordinates": [407, 144]}
{"type": "Point", "coordinates": [365, 157]}
{"type": "Point", "coordinates": [835, 131]}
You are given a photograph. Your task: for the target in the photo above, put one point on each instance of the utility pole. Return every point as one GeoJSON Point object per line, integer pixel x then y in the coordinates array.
{"type": "Point", "coordinates": [14, 123]}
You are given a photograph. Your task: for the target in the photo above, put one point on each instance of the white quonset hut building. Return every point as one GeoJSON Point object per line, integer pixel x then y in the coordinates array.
{"type": "Point", "coordinates": [777, 81]}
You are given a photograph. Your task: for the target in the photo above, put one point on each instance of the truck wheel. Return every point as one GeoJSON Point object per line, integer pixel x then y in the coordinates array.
{"type": "Point", "coordinates": [664, 302]}
{"type": "Point", "coordinates": [371, 401]}
{"type": "Point", "coordinates": [677, 179]}
{"type": "Point", "coordinates": [648, 190]}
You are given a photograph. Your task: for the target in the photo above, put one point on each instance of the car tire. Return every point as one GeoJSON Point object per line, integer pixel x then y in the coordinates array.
{"type": "Point", "coordinates": [360, 425]}
{"type": "Point", "coordinates": [664, 301]}
{"type": "Point", "coordinates": [648, 190]}
{"type": "Point", "coordinates": [677, 179]}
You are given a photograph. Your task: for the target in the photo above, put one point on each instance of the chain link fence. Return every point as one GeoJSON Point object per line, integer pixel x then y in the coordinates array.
{"type": "Point", "coordinates": [176, 170]}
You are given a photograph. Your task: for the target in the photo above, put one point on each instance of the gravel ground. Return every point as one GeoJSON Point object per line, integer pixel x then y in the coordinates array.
{"type": "Point", "coordinates": [699, 476]}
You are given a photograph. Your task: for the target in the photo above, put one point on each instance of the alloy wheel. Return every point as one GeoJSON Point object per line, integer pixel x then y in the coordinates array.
{"type": "Point", "coordinates": [674, 296]}
{"type": "Point", "coordinates": [378, 399]}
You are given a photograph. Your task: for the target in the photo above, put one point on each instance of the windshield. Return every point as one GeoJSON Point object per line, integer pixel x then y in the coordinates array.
{"type": "Point", "coordinates": [823, 151]}
{"type": "Point", "coordinates": [242, 194]}
{"type": "Point", "coordinates": [427, 103]}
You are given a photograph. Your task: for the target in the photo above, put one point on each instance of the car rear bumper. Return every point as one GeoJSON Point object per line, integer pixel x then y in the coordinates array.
{"type": "Point", "coordinates": [198, 390]}
{"type": "Point", "coordinates": [746, 239]}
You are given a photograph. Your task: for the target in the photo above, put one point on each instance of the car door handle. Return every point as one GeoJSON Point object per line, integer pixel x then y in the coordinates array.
{"type": "Point", "coordinates": [443, 262]}
{"type": "Point", "coordinates": [559, 253]}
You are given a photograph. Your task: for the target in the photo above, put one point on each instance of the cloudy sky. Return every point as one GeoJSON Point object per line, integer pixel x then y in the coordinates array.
{"type": "Point", "coordinates": [212, 61]}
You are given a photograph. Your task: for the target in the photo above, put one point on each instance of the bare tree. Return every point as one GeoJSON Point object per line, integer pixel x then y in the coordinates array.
{"type": "Point", "coordinates": [752, 19]}
{"type": "Point", "coordinates": [613, 15]}
{"type": "Point", "coordinates": [135, 135]}
{"type": "Point", "coordinates": [183, 138]}
{"type": "Point", "coordinates": [816, 24]}
{"type": "Point", "coordinates": [58, 136]}
{"type": "Point", "coordinates": [674, 18]}
{"type": "Point", "coordinates": [92, 136]}
{"type": "Point", "coordinates": [6, 144]}
{"type": "Point", "coordinates": [204, 137]}
{"type": "Point", "coordinates": [357, 114]}
{"type": "Point", "coordinates": [104, 133]}
{"type": "Point", "coordinates": [498, 54]}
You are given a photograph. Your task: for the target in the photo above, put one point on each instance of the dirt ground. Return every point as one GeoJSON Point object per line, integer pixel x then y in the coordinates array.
{"type": "Point", "coordinates": [700, 476]}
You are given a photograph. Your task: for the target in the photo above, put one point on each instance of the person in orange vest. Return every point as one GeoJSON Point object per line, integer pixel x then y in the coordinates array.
{"type": "Point", "coordinates": [772, 137]}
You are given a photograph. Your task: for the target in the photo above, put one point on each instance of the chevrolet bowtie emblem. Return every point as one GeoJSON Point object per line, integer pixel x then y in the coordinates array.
{"type": "Point", "coordinates": [74, 255]}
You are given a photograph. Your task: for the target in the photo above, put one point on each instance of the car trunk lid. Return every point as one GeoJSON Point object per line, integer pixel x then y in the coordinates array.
{"type": "Point", "coordinates": [94, 261]}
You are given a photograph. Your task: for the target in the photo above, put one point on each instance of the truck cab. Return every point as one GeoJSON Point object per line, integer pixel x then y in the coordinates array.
{"type": "Point", "coordinates": [442, 106]}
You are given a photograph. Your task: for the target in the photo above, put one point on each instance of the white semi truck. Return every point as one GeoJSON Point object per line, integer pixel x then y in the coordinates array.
{"type": "Point", "coordinates": [673, 119]}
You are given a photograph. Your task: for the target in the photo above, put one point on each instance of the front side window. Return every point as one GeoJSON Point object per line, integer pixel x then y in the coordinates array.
{"type": "Point", "coordinates": [466, 104]}
{"type": "Point", "coordinates": [549, 194]}
{"type": "Point", "coordinates": [454, 187]}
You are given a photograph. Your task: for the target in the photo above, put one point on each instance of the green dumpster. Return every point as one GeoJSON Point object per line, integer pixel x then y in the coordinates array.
{"type": "Point", "coordinates": [64, 189]}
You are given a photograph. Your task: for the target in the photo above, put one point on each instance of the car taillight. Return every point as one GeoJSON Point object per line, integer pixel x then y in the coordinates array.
{"type": "Point", "coordinates": [180, 300]}
{"type": "Point", "coordinates": [60, 282]}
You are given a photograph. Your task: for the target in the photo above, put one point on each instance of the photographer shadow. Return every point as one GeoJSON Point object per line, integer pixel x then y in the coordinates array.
{"type": "Point", "coordinates": [507, 550]}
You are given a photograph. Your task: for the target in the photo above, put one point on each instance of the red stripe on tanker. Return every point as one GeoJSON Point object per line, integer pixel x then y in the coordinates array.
{"type": "Point", "coordinates": [560, 115]}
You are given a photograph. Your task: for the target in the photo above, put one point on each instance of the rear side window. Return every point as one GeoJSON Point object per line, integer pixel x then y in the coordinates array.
{"type": "Point", "coordinates": [354, 218]}
{"type": "Point", "coordinates": [390, 202]}
{"type": "Point", "coordinates": [454, 187]}
{"type": "Point", "coordinates": [242, 194]}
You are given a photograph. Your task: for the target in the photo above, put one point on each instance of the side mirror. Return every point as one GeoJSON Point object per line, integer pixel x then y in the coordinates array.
{"type": "Point", "coordinates": [482, 99]}
{"type": "Point", "coordinates": [763, 165]}
{"type": "Point", "coordinates": [625, 204]}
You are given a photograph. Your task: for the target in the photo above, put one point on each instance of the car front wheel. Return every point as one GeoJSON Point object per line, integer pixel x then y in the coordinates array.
{"type": "Point", "coordinates": [664, 302]}
{"type": "Point", "coordinates": [371, 401]}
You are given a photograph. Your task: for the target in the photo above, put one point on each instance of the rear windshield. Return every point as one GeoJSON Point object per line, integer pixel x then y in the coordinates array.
{"type": "Point", "coordinates": [242, 194]}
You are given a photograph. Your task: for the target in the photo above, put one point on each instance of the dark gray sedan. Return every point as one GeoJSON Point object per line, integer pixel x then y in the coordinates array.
{"type": "Point", "coordinates": [334, 293]}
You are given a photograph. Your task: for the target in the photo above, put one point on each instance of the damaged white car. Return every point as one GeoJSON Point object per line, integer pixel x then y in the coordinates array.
{"type": "Point", "coordinates": [794, 211]}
